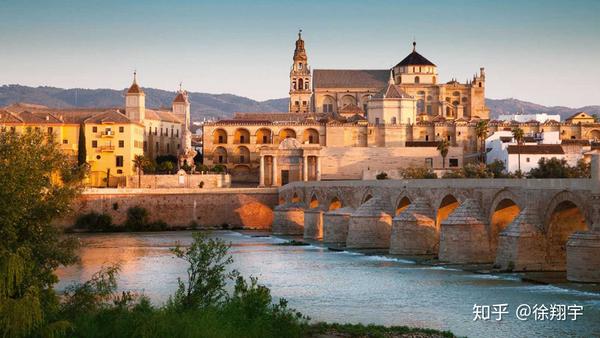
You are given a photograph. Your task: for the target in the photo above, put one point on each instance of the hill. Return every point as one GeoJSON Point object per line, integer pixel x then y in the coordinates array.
{"type": "Point", "coordinates": [206, 105]}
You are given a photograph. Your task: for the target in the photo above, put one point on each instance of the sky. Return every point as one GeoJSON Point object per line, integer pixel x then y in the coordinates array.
{"type": "Point", "coordinates": [546, 52]}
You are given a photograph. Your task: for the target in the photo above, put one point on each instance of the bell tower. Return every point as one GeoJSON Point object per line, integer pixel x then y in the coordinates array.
{"type": "Point", "coordinates": [135, 101]}
{"type": "Point", "coordinates": [300, 80]}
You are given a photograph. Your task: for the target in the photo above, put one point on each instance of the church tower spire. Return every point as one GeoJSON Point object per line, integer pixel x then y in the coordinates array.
{"type": "Point", "coordinates": [300, 80]}
{"type": "Point", "coordinates": [135, 101]}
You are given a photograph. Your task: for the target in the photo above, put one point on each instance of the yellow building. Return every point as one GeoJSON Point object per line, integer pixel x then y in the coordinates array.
{"type": "Point", "coordinates": [580, 118]}
{"type": "Point", "coordinates": [112, 137]}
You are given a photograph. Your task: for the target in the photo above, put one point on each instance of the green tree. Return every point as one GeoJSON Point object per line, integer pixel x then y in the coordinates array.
{"type": "Point", "coordinates": [443, 148]}
{"type": "Point", "coordinates": [481, 131]}
{"type": "Point", "coordinates": [559, 168]}
{"type": "Point", "coordinates": [37, 185]}
{"type": "Point", "coordinates": [417, 173]}
{"type": "Point", "coordinates": [139, 162]}
{"type": "Point", "coordinates": [208, 259]}
{"type": "Point", "coordinates": [519, 136]}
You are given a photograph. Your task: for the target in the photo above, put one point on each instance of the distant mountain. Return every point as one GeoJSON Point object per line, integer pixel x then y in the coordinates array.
{"type": "Point", "coordinates": [202, 104]}
{"type": "Point", "coordinates": [512, 106]}
{"type": "Point", "coordinates": [216, 105]}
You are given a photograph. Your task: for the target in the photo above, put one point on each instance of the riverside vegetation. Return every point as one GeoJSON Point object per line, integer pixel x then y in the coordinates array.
{"type": "Point", "coordinates": [37, 185]}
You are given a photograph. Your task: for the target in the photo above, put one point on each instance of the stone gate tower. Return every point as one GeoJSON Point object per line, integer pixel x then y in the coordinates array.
{"type": "Point", "coordinates": [300, 80]}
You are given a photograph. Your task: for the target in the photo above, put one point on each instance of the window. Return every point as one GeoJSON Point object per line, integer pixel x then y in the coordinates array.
{"type": "Point", "coordinates": [242, 159]}
{"type": "Point", "coordinates": [448, 137]}
{"type": "Point", "coordinates": [242, 139]}
{"type": "Point", "coordinates": [119, 160]}
{"type": "Point", "coordinates": [119, 171]}
{"type": "Point", "coordinates": [177, 133]}
{"type": "Point", "coordinates": [377, 120]}
{"type": "Point", "coordinates": [327, 107]}
{"type": "Point", "coordinates": [304, 103]}
{"type": "Point", "coordinates": [98, 157]}
{"type": "Point", "coordinates": [65, 141]}
{"type": "Point", "coordinates": [121, 129]}
{"type": "Point", "coordinates": [121, 144]}
{"type": "Point", "coordinates": [172, 132]}
{"type": "Point", "coordinates": [157, 148]}
{"type": "Point", "coordinates": [417, 79]}
{"type": "Point", "coordinates": [145, 145]}
{"type": "Point", "coordinates": [155, 130]}
{"type": "Point", "coordinates": [220, 138]}
{"type": "Point", "coordinates": [178, 145]}
{"type": "Point", "coordinates": [264, 139]}
{"type": "Point", "coordinates": [453, 162]}
{"type": "Point", "coordinates": [50, 130]}
{"type": "Point", "coordinates": [527, 160]}
{"type": "Point", "coordinates": [95, 129]}
{"type": "Point", "coordinates": [394, 120]}
{"type": "Point", "coordinates": [426, 137]}
{"type": "Point", "coordinates": [429, 162]}
{"type": "Point", "coordinates": [220, 158]}
{"type": "Point", "coordinates": [429, 109]}
{"type": "Point", "coordinates": [300, 65]}
{"type": "Point", "coordinates": [94, 144]}
{"type": "Point", "coordinates": [297, 103]}
{"type": "Point", "coordinates": [310, 139]}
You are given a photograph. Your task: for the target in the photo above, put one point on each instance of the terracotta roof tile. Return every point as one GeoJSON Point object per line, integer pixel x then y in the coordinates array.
{"type": "Point", "coordinates": [541, 149]}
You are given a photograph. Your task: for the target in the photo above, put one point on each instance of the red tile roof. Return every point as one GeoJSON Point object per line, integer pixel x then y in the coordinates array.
{"type": "Point", "coordinates": [541, 149]}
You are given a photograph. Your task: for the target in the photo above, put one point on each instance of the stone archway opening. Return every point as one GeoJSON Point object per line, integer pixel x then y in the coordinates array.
{"type": "Point", "coordinates": [402, 205]}
{"type": "Point", "coordinates": [335, 204]}
{"type": "Point", "coordinates": [447, 206]}
{"type": "Point", "coordinates": [502, 215]}
{"type": "Point", "coordinates": [314, 202]}
{"type": "Point", "coordinates": [295, 198]}
{"type": "Point", "coordinates": [566, 218]}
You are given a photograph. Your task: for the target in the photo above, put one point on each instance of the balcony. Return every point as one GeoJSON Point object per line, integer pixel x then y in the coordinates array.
{"type": "Point", "coordinates": [105, 149]}
{"type": "Point", "coordinates": [107, 133]}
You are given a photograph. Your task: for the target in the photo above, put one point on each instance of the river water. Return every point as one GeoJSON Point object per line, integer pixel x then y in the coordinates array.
{"type": "Point", "coordinates": [346, 287]}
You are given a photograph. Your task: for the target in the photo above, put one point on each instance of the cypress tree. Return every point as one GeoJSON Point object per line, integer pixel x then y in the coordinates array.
{"type": "Point", "coordinates": [81, 150]}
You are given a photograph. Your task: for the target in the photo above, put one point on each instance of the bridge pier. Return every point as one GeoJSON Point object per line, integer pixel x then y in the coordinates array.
{"type": "Point", "coordinates": [313, 223]}
{"type": "Point", "coordinates": [288, 219]}
{"type": "Point", "coordinates": [463, 236]}
{"type": "Point", "coordinates": [521, 246]}
{"type": "Point", "coordinates": [335, 225]}
{"type": "Point", "coordinates": [414, 231]}
{"type": "Point", "coordinates": [370, 225]}
{"type": "Point", "coordinates": [583, 248]}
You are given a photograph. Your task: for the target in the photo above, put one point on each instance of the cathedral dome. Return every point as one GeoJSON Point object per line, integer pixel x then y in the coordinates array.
{"type": "Point", "coordinates": [415, 59]}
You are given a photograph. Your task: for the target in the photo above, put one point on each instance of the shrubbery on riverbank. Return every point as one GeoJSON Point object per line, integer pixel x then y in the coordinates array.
{"type": "Point", "coordinates": [137, 220]}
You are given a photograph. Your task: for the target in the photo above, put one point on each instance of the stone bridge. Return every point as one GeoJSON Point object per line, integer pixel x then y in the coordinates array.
{"type": "Point", "coordinates": [516, 224]}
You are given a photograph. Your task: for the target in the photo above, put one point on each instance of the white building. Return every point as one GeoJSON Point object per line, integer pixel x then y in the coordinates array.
{"type": "Point", "coordinates": [502, 146]}
{"type": "Point", "coordinates": [541, 118]}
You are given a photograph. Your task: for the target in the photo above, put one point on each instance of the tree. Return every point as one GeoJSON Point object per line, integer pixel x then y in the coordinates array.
{"type": "Point", "coordinates": [443, 148]}
{"type": "Point", "coordinates": [559, 168]}
{"type": "Point", "coordinates": [81, 148]}
{"type": "Point", "coordinates": [206, 273]}
{"type": "Point", "coordinates": [37, 185]}
{"type": "Point", "coordinates": [140, 162]}
{"type": "Point", "coordinates": [518, 135]}
{"type": "Point", "coordinates": [481, 131]}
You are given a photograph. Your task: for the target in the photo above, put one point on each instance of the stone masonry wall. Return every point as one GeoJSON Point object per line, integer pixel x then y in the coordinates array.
{"type": "Point", "coordinates": [245, 208]}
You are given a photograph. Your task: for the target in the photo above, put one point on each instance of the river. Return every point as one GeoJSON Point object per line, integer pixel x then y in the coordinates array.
{"type": "Point", "coordinates": [347, 287]}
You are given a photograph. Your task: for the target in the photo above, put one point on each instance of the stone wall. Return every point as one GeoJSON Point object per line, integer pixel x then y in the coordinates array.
{"type": "Point", "coordinates": [343, 163]}
{"type": "Point", "coordinates": [207, 181]}
{"type": "Point", "coordinates": [246, 208]}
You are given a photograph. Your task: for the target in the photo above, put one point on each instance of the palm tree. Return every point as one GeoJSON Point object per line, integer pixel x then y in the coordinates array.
{"type": "Point", "coordinates": [443, 148]}
{"type": "Point", "coordinates": [481, 130]}
{"type": "Point", "coordinates": [139, 162]}
{"type": "Point", "coordinates": [518, 135]}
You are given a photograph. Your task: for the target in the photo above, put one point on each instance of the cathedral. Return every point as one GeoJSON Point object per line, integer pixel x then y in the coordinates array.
{"type": "Point", "coordinates": [406, 93]}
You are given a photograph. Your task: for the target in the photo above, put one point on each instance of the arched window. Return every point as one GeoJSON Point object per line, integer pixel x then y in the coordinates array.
{"type": "Point", "coordinates": [300, 65]}
{"type": "Point", "coordinates": [294, 85]}
{"type": "Point", "coordinates": [456, 94]}
{"type": "Point", "coordinates": [417, 79]}
{"type": "Point", "coordinates": [300, 84]}
{"type": "Point", "coordinates": [306, 84]}
{"type": "Point", "coordinates": [394, 120]}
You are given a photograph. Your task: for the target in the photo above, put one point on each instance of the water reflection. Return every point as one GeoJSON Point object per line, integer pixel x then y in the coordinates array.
{"type": "Point", "coordinates": [344, 287]}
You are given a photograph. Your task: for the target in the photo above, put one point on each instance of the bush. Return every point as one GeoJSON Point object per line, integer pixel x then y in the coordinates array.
{"type": "Point", "coordinates": [555, 168]}
{"type": "Point", "coordinates": [166, 167]}
{"type": "Point", "coordinates": [137, 219]}
{"type": "Point", "coordinates": [218, 168]}
{"type": "Point", "coordinates": [476, 170]}
{"type": "Point", "coordinates": [94, 221]}
{"type": "Point", "coordinates": [382, 176]}
{"type": "Point", "coordinates": [418, 173]}
{"type": "Point", "coordinates": [202, 168]}
{"type": "Point", "coordinates": [453, 174]}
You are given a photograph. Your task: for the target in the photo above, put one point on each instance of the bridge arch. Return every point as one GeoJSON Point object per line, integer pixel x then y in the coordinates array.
{"type": "Point", "coordinates": [566, 215]}
{"type": "Point", "coordinates": [334, 204]}
{"type": "Point", "coordinates": [504, 210]}
{"type": "Point", "coordinates": [402, 204]}
{"type": "Point", "coordinates": [445, 207]}
{"type": "Point", "coordinates": [295, 198]}
{"type": "Point", "coordinates": [314, 201]}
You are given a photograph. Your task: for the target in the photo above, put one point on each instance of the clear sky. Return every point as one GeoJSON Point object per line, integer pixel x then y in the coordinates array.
{"type": "Point", "coordinates": [546, 52]}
